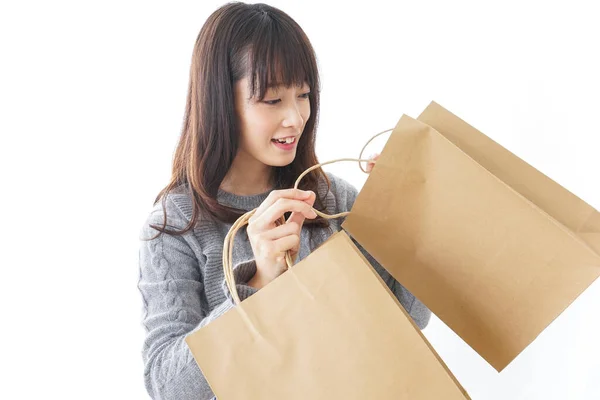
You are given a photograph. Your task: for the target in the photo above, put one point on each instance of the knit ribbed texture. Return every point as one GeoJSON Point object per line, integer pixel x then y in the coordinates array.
{"type": "Point", "coordinates": [183, 287]}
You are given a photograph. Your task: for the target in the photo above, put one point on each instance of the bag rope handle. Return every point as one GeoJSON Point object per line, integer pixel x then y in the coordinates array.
{"type": "Point", "coordinates": [243, 220]}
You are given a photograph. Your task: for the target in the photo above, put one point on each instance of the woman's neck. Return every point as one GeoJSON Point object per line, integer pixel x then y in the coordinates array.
{"type": "Point", "coordinates": [248, 177]}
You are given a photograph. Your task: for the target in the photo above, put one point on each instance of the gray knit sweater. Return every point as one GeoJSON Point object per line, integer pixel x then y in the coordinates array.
{"type": "Point", "coordinates": [182, 286]}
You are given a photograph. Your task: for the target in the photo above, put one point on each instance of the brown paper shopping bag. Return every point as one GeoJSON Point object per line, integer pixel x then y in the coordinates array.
{"type": "Point", "coordinates": [328, 328]}
{"type": "Point", "coordinates": [493, 247]}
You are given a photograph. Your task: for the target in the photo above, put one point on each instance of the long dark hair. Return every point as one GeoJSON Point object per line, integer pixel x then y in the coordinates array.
{"type": "Point", "coordinates": [240, 40]}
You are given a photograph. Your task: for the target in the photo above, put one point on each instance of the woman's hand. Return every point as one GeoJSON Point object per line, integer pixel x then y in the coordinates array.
{"type": "Point", "coordinates": [372, 161]}
{"type": "Point", "coordinates": [270, 242]}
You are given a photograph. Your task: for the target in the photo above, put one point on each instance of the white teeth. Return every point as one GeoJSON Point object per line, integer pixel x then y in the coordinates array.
{"type": "Point", "coordinates": [286, 140]}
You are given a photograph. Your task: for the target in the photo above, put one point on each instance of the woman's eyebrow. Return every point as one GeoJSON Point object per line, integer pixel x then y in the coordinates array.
{"type": "Point", "coordinates": [278, 85]}
{"type": "Point", "coordinates": [275, 88]}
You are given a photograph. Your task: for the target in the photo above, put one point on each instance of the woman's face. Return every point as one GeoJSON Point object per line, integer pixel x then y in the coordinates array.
{"type": "Point", "coordinates": [270, 129]}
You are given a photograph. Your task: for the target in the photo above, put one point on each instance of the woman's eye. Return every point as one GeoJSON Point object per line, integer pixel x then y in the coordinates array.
{"type": "Point", "coordinates": [272, 102]}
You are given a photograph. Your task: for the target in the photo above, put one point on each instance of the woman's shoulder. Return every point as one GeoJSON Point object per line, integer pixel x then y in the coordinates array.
{"type": "Point", "coordinates": [177, 205]}
{"type": "Point", "coordinates": [177, 202]}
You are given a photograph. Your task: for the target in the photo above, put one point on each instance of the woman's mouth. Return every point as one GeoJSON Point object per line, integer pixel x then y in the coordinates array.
{"type": "Point", "coordinates": [285, 143]}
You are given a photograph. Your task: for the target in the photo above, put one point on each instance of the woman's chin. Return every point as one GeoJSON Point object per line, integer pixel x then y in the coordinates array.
{"type": "Point", "coordinates": [281, 161]}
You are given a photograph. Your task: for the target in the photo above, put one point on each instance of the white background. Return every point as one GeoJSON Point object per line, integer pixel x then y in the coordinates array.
{"type": "Point", "coordinates": [91, 100]}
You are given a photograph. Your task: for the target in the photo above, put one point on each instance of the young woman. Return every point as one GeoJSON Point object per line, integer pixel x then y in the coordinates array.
{"type": "Point", "coordinates": [249, 132]}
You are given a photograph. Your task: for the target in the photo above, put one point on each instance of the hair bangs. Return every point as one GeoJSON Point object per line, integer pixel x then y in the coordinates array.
{"type": "Point", "coordinates": [279, 57]}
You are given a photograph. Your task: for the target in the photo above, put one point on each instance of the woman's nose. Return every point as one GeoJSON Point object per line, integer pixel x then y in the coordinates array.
{"type": "Point", "coordinates": [293, 117]}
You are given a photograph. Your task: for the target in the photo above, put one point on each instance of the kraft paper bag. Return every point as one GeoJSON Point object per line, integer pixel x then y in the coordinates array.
{"type": "Point", "coordinates": [493, 247]}
{"type": "Point", "coordinates": [328, 328]}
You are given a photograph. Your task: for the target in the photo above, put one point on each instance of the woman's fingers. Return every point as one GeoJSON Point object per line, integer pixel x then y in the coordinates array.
{"type": "Point", "coordinates": [299, 218]}
{"type": "Point", "coordinates": [276, 195]}
{"type": "Point", "coordinates": [286, 243]}
{"type": "Point", "coordinates": [371, 163]}
{"type": "Point", "coordinates": [279, 208]}
{"type": "Point", "coordinates": [283, 230]}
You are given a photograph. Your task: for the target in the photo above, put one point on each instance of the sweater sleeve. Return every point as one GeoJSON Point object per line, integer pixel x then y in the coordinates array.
{"type": "Point", "coordinates": [174, 305]}
{"type": "Point", "coordinates": [346, 194]}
